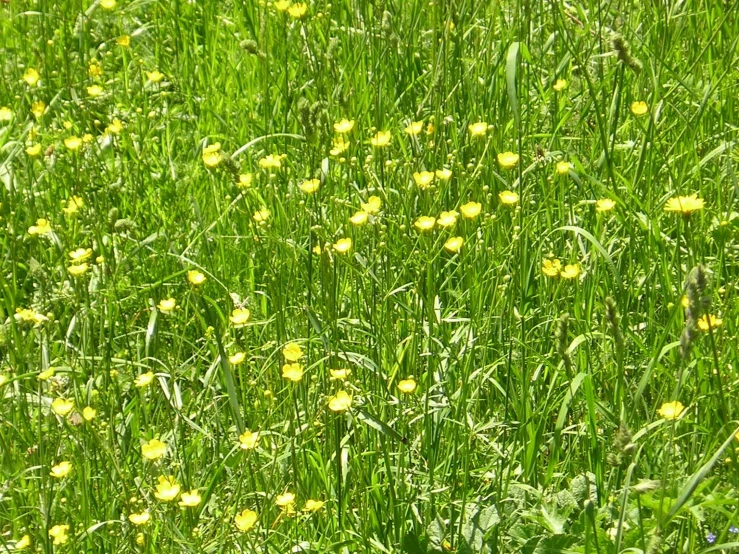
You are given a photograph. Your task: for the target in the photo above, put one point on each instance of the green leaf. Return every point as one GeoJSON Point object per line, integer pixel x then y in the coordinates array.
{"type": "Point", "coordinates": [511, 68]}
{"type": "Point", "coordinates": [378, 425]}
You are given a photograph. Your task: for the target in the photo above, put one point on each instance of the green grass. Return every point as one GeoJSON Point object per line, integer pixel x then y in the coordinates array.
{"type": "Point", "coordinates": [535, 425]}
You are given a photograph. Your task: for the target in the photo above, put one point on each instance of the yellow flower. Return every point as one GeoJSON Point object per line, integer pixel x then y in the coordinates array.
{"type": "Point", "coordinates": [340, 145]}
{"type": "Point", "coordinates": [46, 374]}
{"type": "Point", "coordinates": [508, 198]}
{"type": "Point", "coordinates": [271, 161]}
{"type": "Point", "coordinates": [81, 254]}
{"type": "Point", "coordinates": [212, 156]}
{"type": "Point", "coordinates": [604, 205]}
{"type": "Point", "coordinates": [414, 128]}
{"type": "Point", "coordinates": [478, 129]}
{"type": "Point", "coordinates": [89, 413]}
{"type": "Point", "coordinates": [551, 268]}
{"type": "Point", "coordinates": [31, 77]}
{"type": "Point", "coordinates": [62, 406]}
{"type": "Point", "coordinates": [292, 352]}
{"type": "Point", "coordinates": [140, 539]}
{"type": "Point", "coordinates": [237, 359]}
{"type": "Point", "coordinates": [38, 108]}
{"type": "Point", "coordinates": [340, 402]}
{"type": "Point", "coordinates": [29, 315]}
{"type": "Point", "coordinates": [245, 180]}
{"type": "Point", "coordinates": [6, 114]}
{"type": "Point", "coordinates": [189, 499]}
{"type": "Point", "coordinates": [33, 150]}
{"type": "Point", "coordinates": [381, 139]}
{"type": "Point", "coordinates": [73, 205]}
{"type": "Point", "coordinates": [94, 91]}
{"type": "Point", "coordinates": [685, 302]}
{"type": "Point", "coordinates": [261, 216]}
{"type": "Point", "coordinates": [23, 543]}
{"type": "Point", "coordinates": [87, 138]}
{"type": "Point", "coordinates": [639, 108]}
{"type": "Point", "coordinates": [167, 488]}
{"type": "Point", "coordinates": [559, 85]}
{"type": "Point", "coordinates": [709, 322]}
{"type": "Point", "coordinates": [344, 126]}
{"type": "Point", "coordinates": [154, 449]}
{"type": "Point", "coordinates": [671, 410]}
{"type": "Point", "coordinates": [141, 518]}
{"type": "Point", "coordinates": [115, 127]}
{"type": "Point", "coordinates": [285, 499]}
{"type": "Point", "coordinates": [359, 218]}
{"type": "Point", "coordinates": [245, 520]}
{"type": "Point", "coordinates": [373, 205]}
{"type": "Point", "coordinates": [339, 374]}
{"type": "Point", "coordinates": [249, 440]}
{"type": "Point", "coordinates": [470, 210]}
{"type": "Point", "coordinates": [448, 219]}
{"type": "Point", "coordinates": [563, 168]}
{"type": "Point", "coordinates": [310, 186]}
{"type": "Point", "coordinates": [685, 205]}
{"type": "Point", "coordinates": [454, 244]}
{"type": "Point", "coordinates": [423, 179]}
{"type": "Point", "coordinates": [154, 76]}
{"type": "Point", "coordinates": [443, 174]}
{"type": "Point", "coordinates": [407, 386]}
{"type": "Point", "coordinates": [292, 372]}
{"type": "Point", "coordinates": [313, 505]}
{"type": "Point", "coordinates": [107, 4]}
{"type": "Point", "coordinates": [167, 305]}
{"type": "Point", "coordinates": [239, 317]}
{"type": "Point", "coordinates": [424, 223]}
{"type": "Point", "coordinates": [570, 271]}
{"type": "Point", "coordinates": [73, 143]}
{"type": "Point", "coordinates": [195, 277]}
{"type": "Point", "coordinates": [93, 69]}
{"type": "Point", "coordinates": [78, 270]}
{"type": "Point", "coordinates": [60, 470]}
{"type": "Point", "coordinates": [59, 534]}
{"type": "Point", "coordinates": [298, 10]}
{"type": "Point", "coordinates": [342, 246]}
{"type": "Point", "coordinates": [124, 41]}
{"type": "Point", "coordinates": [507, 160]}
{"type": "Point", "coordinates": [144, 380]}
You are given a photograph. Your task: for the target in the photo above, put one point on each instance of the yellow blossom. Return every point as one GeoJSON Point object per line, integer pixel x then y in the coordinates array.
{"type": "Point", "coordinates": [73, 205]}
{"type": "Point", "coordinates": [381, 139]}
{"type": "Point", "coordinates": [297, 10]}
{"type": "Point", "coordinates": [271, 161]}
{"type": "Point", "coordinates": [59, 534]}
{"type": "Point", "coordinates": [373, 205]}
{"type": "Point", "coordinates": [239, 317]}
{"type": "Point", "coordinates": [212, 156]}
{"type": "Point", "coordinates": [570, 271]}
{"type": "Point", "coordinates": [38, 108]}
{"type": "Point", "coordinates": [155, 76]}
{"type": "Point", "coordinates": [261, 216]}
{"type": "Point", "coordinates": [470, 210]}
{"type": "Point", "coordinates": [141, 518]}
{"type": "Point", "coordinates": [60, 470]}
{"type": "Point", "coordinates": [195, 277]}
{"type": "Point", "coordinates": [709, 322]}
{"type": "Point", "coordinates": [237, 359]}
{"type": "Point", "coordinates": [344, 126]}
{"type": "Point", "coordinates": [73, 143]}
{"type": "Point", "coordinates": [564, 168]}
{"type": "Point", "coordinates": [154, 449]}
{"type": "Point", "coordinates": [551, 268]}
{"type": "Point", "coordinates": [478, 129]}
{"type": "Point", "coordinates": [190, 499]}
{"type": "Point", "coordinates": [339, 374]}
{"type": "Point", "coordinates": [93, 69]}
{"type": "Point", "coordinates": [671, 410]}
{"type": "Point", "coordinates": [81, 254]}
{"type": "Point", "coordinates": [313, 505]}
{"type": "Point", "coordinates": [107, 4]}
{"type": "Point", "coordinates": [46, 374]}
{"type": "Point", "coordinates": [685, 205]}
{"type": "Point", "coordinates": [245, 180]}
{"type": "Point", "coordinates": [508, 198]}
{"type": "Point", "coordinates": [167, 488]}
{"type": "Point", "coordinates": [423, 179]}
{"type": "Point", "coordinates": [23, 543]}
{"type": "Point", "coordinates": [448, 219]}
{"type": "Point", "coordinates": [414, 128]}
{"type": "Point", "coordinates": [424, 223]}
{"type": "Point", "coordinates": [89, 413]}
{"type": "Point", "coordinates": [115, 127]}
{"type": "Point", "coordinates": [559, 85]}
{"type": "Point", "coordinates": [62, 406]}
{"type": "Point", "coordinates": [77, 270]}
{"type": "Point", "coordinates": [407, 386]}
{"type": "Point", "coordinates": [245, 520]}
{"type": "Point", "coordinates": [6, 114]}
{"type": "Point", "coordinates": [31, 77]}
{"type": "Point", "coordinates": [292, 372]}
{"type": "Point", "coordinates": [359, 218]}
{"type": "Point", "coordinates": [292, 352]}
{"type": "Point", "coordinates": [508, 160]}
{"type": "Point", "coordinates": [167, 305]}
{"type": "Point", "coordinates": [443, 174]}
{"type": "Point", "coordinates": [94, 91]}
{"type": "Point", "coordinates": [310, 186]}
{"type": "Point", "coordinates": [33, 150]}
{"type": "Point", "coordinates": [144, 380]}
{"type": "Point", "coordinates": [342, 246]}
{"type": "Point", "coordinates": [249, 440]}
{"type": "Point", "coordinates": [340, 402]}
{"type": "Point", "coordinates": [340, 145]}
{"type": "Point", "coordinates": [285, 499]}
{"type": "Point", "coordinates": [639, 108]}
{"type": "Point", "coordinates": [124, 41]}
{"type": "Point", "coordinates": [454, 244]}
{"type": "Point", "coordinates": [604, 205]}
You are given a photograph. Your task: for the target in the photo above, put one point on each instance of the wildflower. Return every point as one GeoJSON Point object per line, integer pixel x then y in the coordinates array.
{"type": "Point", "coordinates": [685, 205]}
{"type": "Point", "coordinates": [245, 520]}
{"type": "Point", "coordinates": [141, 518]}
{"type": "Point", "coordinates": [342, 246]}
{"type": "Point", "coordinates": [46, 374]}
{"type": "Point", "coordinates": [310, 186]}
{"type": "Point", "coordinates": [73, 143]}
{"type": "Point", "coordinates": [508, 160]}
{"type": "Point", "coordinates": [77, 270]}
{"type": "Point", "coordinates": [167, 488]}
{"type": "Point", "coordinates": [261, 216]}
{"type": "Point", "coordinates": [570, 271]}
{"type": "Point", "coordinates": [249, 440]}
{"type": "Point", "coordinates": [38, 108]}
{"type": "Point", "coordinates": [671, 410]}
{"type": "Point", "coordinates": [6, 114]}
{"type": "Point", "coordinates": [124, 41]}
{"type": "Point", "coordinates": [414, 128]}
{"type": "Point", "coordinates": [359, 218]}
{"type": "Point", "coordinates": [144, 380]}
{"type": "Point", "coordinates": [297, 10]}
{"type": "Point", "coordinates": [212, 156]}
{"type": "Point", "coordinates": [373, 205]}
{"type": "Point", "coordinates": [407, 386]}
{"type": "Point", "coordinates": [381, 139]}
{"type": "Point", "coordinates": [140, 539]}
{"type": "Point", "coordinates": [59, 534]}
{"type": "Point", "coordinates": [340, 402]}
{"type": "Point", "coordinates": [339, 374]}
{"type": "Point", "coordinates": [93, 91]}
{"type": "Point", "coordinates": [29, 315]}
{"type": "Point", "coordinates": [284, 500]}
{"type": "Point", "coordinates": [470, 210]}
{"type": "Point", "coordinates": [154, 449]}
{"type": "Point", "coordinates": [344, 126]}
{"type": "Point", "coordinates": [115, 127]}
{"type": "Point", "coordinates": [710, 538]}
{"type": "Point", "coordinates": [62, 406]}
{"type": "Point", "coordinates": [559, 85]}
{"type": "Point", "coordinates": [93, 69]}
{"type": "Point", "coordinates": [604, 205]}
{"type": "Point", "coordinates": [424, 223]}
{"type": "Point", "coordinates": [271, 161]}
{"type": "Point", "coordinates": [239, 317]}
{"type": "Point", "coordinates": [639, 108]}
{"type": "Point", "coordinates": [189, 499]}
{"type": "Point", "coordinates": [73, 205]}
{"type": "Point", "coordinates": [564, 168]}
{"type": "Point", "coordinates": [709, 322]}
{"type": "Point", "coordinates": [167, 305]}
{"type": "Point", "coordinates": [313, 505]}
{"type": "Point", "coordinates": [292, 372]}
{"type": "Point", "coordinates": [245, 180]}
{"type": "Point", "coordinates": [551, 268]}
{"type": "Point", "coordinates": [339, 146]}
{"type": "Point", "coordinates": [237, 359]}
{"type": "Point", "coordinates": [87, 138]}
{"type": "Point", "coordinates": [195, 277]}
{"type": "Point", "coordinates": [454, 244]}
{"type": "Point", "coordinates": [33, 150]}
{"type": "Point", "coordinates": [23, 543]}
{"type": "Point", "coordinates": [292, 352]}
{"type": "Point", "coordinates": [448, 219]}
{"type": "Point", "coordinates": [423, 179]}
{"type": "Point", "coordinates": [478, 129]}
{"type": "Point", "coordinates": [154, 76]}
{"type": "Point", "coordinates": [508, 198]}
{"type": "Point", "coordinates": [81, 254]}
{"type": "Point", "coordinates": [88, 413]}
{"type": "Point", "coordinates": [60, 470]}
{"type": "Point", "coordinates": [443, 174]}
{"type": "Point", "coordinates": [733, 529]}
{"type": "Point", "coordinates": [107, 4]}
{"type": "Point", "coordinates": [31, 77]}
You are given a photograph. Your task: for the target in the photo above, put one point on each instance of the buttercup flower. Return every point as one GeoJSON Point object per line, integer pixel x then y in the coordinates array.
{"type": "Point", "coordinates": [285, 499]}
{"type": "Point", "coordinates": [154, 449]}
{"type": "Point", "coordinates": [507, 160]}
{"type": "Point", "coordinates": [124, 41]}
{"type": "Point", "coordinates": [339, 374]}
{"type": "Point", "coordinates": [167, 305]}
{"type": "Point", "coordinates": [292, 352]}
{"type": "Point", "coordinates": [195, 277]}
{"type": "Point", "coordinates": [31, 77]}
{"type": "Point", "coordinates": [424, 223]}
{"type": "Point", "coordinates": [33, 150]}
{"type": "Point", "coordinates": [144, 380]}
{"type": "Point", "coordinates": [454, 244]}
{"type": "Point", "coordinates": [155, 76]}
{"type": "Point", "coordinates": [23, 543]}
{"type": "Point", "coordinates": [685, 205]}
{"type": "Point", "coordinates": [448, 219]}
{"type": "Point", "coordinates": [6, 114]}
{"type": "Point", "coordinates": [73, 143]}
{"type": "Point", "coordinates": [414, 128]}
{"type": "Point", "coordinates": [310, 186]}
{"type": "Point", "coordinates": [81, 254]}
{"type": "Point", "coordinates": [340, 402]}
{"type": "Point", "coordinates": [373, 205]}
{"type": "Point", "coordinates": [344, 126]}
{"type": "Point", "coordinates": [443, 174]}
{"type": "Point", "coordinates": [245, 181]}
{"type": "Point", "coordinates": [639, 108]}
{"type": "Point", "coordinates": [271, 161]}
{"type": "Point", "coordinates": [342, 246]}
{"type": "Point", "coordinates": [62, 406]}
{"type": "Point", "coordinates": [42, 227]}
{"type": "Point", "coordinates": [604, 205]}
{"type": "Point", "coordinates": [245, 520]}
{"type": "Point", "coordinates": [60, 470]}
{"type": "Point", "coordinates": [115, 127]}
{"type": "Point", "coordinates": [709, 322]}
{"type": "Point", "coordinates": [564, 168]}
{"type": "Point", "coordinates": [249, 440]}
{"type": "Point", "coordinates": [212, 156]}
{"type": "Point", "coordinates": [46, 374]}
{"type": "Point", "coordinates": [38, 108]}
{"type": "Point", "coordinates": [73, 205]}
{"type": "Point", "coordinates": [167, 488]}
{"type": "Point", "coordinates": [671, 410]}
{"type": "Point", "coordinates": [94, 91]}
{"type": "Point", "coordinates": [138, 519]}
{"type": "Point", "coordinates": [340, 145]}
{"type": "Point", "coordinates": [93, 69]}
{"type": "Point", "coordinates": [570, 271]}
{"type": "Point", "coordinates": [407, 386]}
{"type": "Point", "coordinates": [423, 179]}
{"type": "Point", "coordinates": [470, 210]}
{"type": "Point", "coordinates": [261, 216]}
{"type": "Point", "coordinates": [297, 10]}
{"type": "Point", "coordinates": [59, 534]}
{"type": "Point", "coordinates": [281, 5]}
{"type": "Point", "coordinates": [88, 413]}
{"type": "Point", "coordinates": [78, 270]}
{"type": "Point", "coordinates": [381, 139]}
{"type": "Point", "coordinates": [313, 505]}
{"type": "Point", "coordinates": [237, 358]}
{"type": "Point", "coordinates": [107, 4]}
{"type": "Point", "coordinates": [239, 317]}
{"type": "Point", "coordinates": [508, 198]}
{"type": "Point", "coordinates": [551, 268]}
{"type": "Point", "coordinates": [559, 85]}
{"type": "Point", "coordinates": [190, 499]}
{"type": "Point", "coordinates": [478, 129]}
{"type": "Point", "coordinates": [359, 218]}
{"type": "Point", "coordinates": [292, 372]}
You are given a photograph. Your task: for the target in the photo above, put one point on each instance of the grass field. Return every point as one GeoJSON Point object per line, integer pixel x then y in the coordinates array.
{"type": "Point", "coordinates": [352, 276]}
